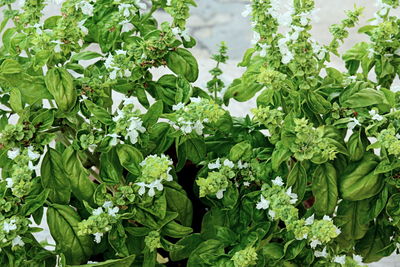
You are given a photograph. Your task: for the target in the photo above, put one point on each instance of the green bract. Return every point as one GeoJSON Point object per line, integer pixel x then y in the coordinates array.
{"type": "Point", "coordinates": [310, 179]}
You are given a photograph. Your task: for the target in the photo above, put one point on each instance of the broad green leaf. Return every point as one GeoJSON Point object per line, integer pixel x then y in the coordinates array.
{"type": "Point", "coordinates": [206, 253]}
{"type": "Point", "coordinates": [364, 98]}
{"type": "Point", "coordinates": [153, 114]}
{"type": "Point", "coordinates": [99, 113]}
{"type": "Point", "coordinates": [182, 62]}
{"type": "Point", "coordinates": [55, 178]}
{"type": "Point", "coordinates": [178, 201]}
{"type": "Point", "coordinates": [81, 185]}
{"type": "Point", "coordinates": [86, 55]}
{"type": "Point", "coordinates": [60, 84]}
{"type": "Point", "coordinates": [110, 263]}
{"type": "Point", "coordinates": [10, 66]}
{"type": "Point", "coordinates": [297, 179]}
{"type": "Point", "coordinates": [130, 158]}
{"type": "Point", "coordinates": [185, 246]}
{"type": "Point", "coordinates": [16, 100]}
{"type": "Point", "coordinates": [324, 187]}
{"type": "Point", "coordinates": [281, 153]}
{"type": "Point", "coordinates": [63, 224]}
{"type": "Point", "coordinates": [351, 219]}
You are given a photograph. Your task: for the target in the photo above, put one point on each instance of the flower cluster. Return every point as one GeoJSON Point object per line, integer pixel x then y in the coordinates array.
{"type": "Point", "coordinates": [127, 124]}
{"type": "Point", "coordinates": [11, 230]}
{"type": "Point", "coordinates": [388, 139]}
{"type": "Point", "coordinates": [271, 118]}
{"type": "Point", "coordinates": [125, 195]}
{"type": "Point", "coordinates": [152, 240]}
{"type": "Point", "coordinates": [155, 170]}
{"type": "Point", "coordinates": [216, 182]}
{"type": "Point", "coordinates": [118, 65]}
{"type": "Point", "coordinates": [20, 180]}
{"type": "Point", "coordinates": [13, 134]}
{"type": "Point", "coordinates": [271, 78]}
{"type": "Point", "coordinates": [280, 204]}
{"type": "Point", "coordinates": [245, 257]}
{"type": "Point", "coordinates": [310, 142]}
{"type": "Point", "coordinates": [191, 117]}
{"type": "Point", "coordinates": [100, 221]}
{"type": "Point", "coordinates": [179, 11]}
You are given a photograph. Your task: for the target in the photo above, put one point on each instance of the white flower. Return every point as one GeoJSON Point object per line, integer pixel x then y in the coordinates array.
{"type": "Point", "coordinates": [185, 35]}
{"type": "Point", "coordinates": [178, 106]}
{"type": "Point", "coordinates": [84, 30]}
{"type": "Point", "coordinates": [113, 75]}
{"type": "Point", "coordinates": [114, 139]}
{"type": "Point", "coordinates": [86, 8]}
{"type": "Point", "coordinates": [271, 213]}
{"type": "Point", "coordinates": [108, 204]}
{"type": "Point", "coordinates": [17, 241]}
{"type": "Point", "coordinates": [395, 89]}
{"type": "Point", "coordinates": [303, 21]}
{"type": "Point", "coordinates": [32, 167]}
{"type": "Point", "coordinates": [246, 184]}
{"type": "Point", "coordinates": [264, 48]}
{"type": "Point", "coordinates": [285, 19]}
{"type": "Point", "coordinates": [246, 11]}
{"type": "Point", "coordinates": [38, 27]}
{"type": "Point", "coordinates": [198, 127]}
{"type": "Point", "coordinates": [321, 254]}
{"type": "Point", "coordinates": [109, 61]}
{"type": "Point", "coordinates": [13, 153]}
{"type": "Point", "coordinates": [124, 8]}
{"type": "Point", "coordinates": [32, 155]}
{"type": "Point", "coordinates": [256, 38]}
{"type": "Point", "coordinates": [242, 165]}
{"type": "Point", "coordinates": [139, 4]}
{"type": "Point", "coordinates": [353, 123]}
{"type": "Point", "coordinates": [278, 181]}
{"type": "Point", "coordinates": [113, 211]}
{"type": "Point", "coordinates": [120, 52]}
{"type": "Point", "coordinates": [358, 259]}
{"type": "Point", "coordinates": [186, 127]}
{"type": "Point", "coordinates": [229, 163]}
{"type": "Point", "coordinates": [263, 203]}
{"type": "Point", "coordinates": [314, 243]}
{"type": "Point", "coordinates": [97, 237]}
{"type": "Point", "coordinates": [220, 193]}
{"type": "Point", "coordinates": [287, 57]}
{"type": "Point", "coordinates": [97, 211]}
{"type": "Point", "coordinates": [309, 220]}
{"type": "Point", "coordinates": [57, 2]}
{"type": "Point", "coordinates": [338, 231]}
{"type": "Point", "coordinates": [293, 196]}
{"type": "Point", "coordinates": [215, 165]}
{"type": "Point", "coordinates": [375, 115]}
{"type": "Point", "coordinates": [195, 99]}
{"type": "Point", "coordinates": [126, 26]}
{"type": "Point", "coordinates": [155, 184]}
{"type": "Point", "coordinates": [340, 259]}
{"type": "Point", "coordinates": [10, 182]}
{"type": "Point", "coordinates": [57, 48]}
{"type": "Point", "coordinates": [327, 218]}
{"type": "Point", "coordinates": [8, 227]}
{"type": "Point", "coordinates": [127, 73]}
{"type": "Point", "coordinates": [142, 188]}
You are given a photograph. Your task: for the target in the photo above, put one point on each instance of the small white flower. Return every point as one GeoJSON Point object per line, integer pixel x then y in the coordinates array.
{"type": "Point", "coordinates": [32, 155]}
{"type": "Point", "coordinates": [133, 136]}
{"type": "Point", "coordinates": [57, 48]}
{"type": "Point", "coordinates": [314, 243]}
{"type": "Point", "coordinates": [108, 204]}
{"type": "Point", "coordinates": [109, 61]}
{"type": "Point", "coordinates": [113, 75]}
{"type": "Point", "coordinates": [113, 211]}
{"type": "Point", "coordinates": [32, 167]}
{"type": "Point", "coordinates": [142, 188]}
{"type": "Point", "coordinates": [124, 8]}
{"type": "Point", "coordinates": [309, 220]}
{"type": "Point", "coordinates": [175, 30]}
{"type": "Point", "coordinates": [247, 11]}
{"type": "Point", "coordinates": [17, 241]}
{"type": "Point", "coordinates": [256, 38]}
{"type": "Point", "coordinates": [264, 48]}
{"type": "Point", "coordinates": [86, 8]}
{"type": "Point", "coordinates": [375, 115]}
{"type": "Point", "coordinates": [287, 57]}
{"type": "Point", "coordinates": [195, 99]}
{"type": "Point", "coordinates": [303, 21]}
{"type": "Point", "coordinates": [242, 165]}
{"type": "Point", "coordinates": [215, 165]}
{"type": "Point", "coordinates": [198, 127]}
{"type": "Point", "coordinates": [185, 35]}
{"type": "Point", "coordinates": [220, 193]}
{"type": "Point", "coordinates": [271, 213]}
{"type": "Point", "coordinates": [8, 227]}
{"type": "Point", "coordinates": [10, 182]}
{"type": "Point", "coordinates": [114, 139]}
{"type": "Point", "coordinates": [178, 106]}
{"type": "Point", "coordinates": [57, 2]}
{"type": "Point", "coordinates": [126, 26]}
{"type": "Point", "coordinates": [120, 52]}
{"type": "Point", "coordinates": [338, 231]}
{"type": "Point", "coordinates": [263, 203]}
{"type": "Point", "coordinates": [187, 127]}
{"type": "Point", "coordinates": [327, 218]}
{"type": "Point", "coordinates": [278, 181]}
{"type": "Point", "coordinates": [353, 123]}
{"type": "Point", "coordinates": [340, 259]}
{"type": "Point", "coordinates": [38, 27]}
{"type": "Point", "coordinates": [97, 211]}
{"type": "Point", "coordinates": [84, 30]}
{"type": "Point", "coordinates": [321, 254]}
{"type": "Point", "coordinates": [127, 73]}
{"type": "Point", "coordinates": [246, 184]}
{"type": "Point", "coordinates": [13, 153]}
{"type": "Point", "coordinates": [285, 19]}
{"type": "Point", "coordinates": [395, 89]}
{"type": "Point", "coordinates": [229, 163]}
{"type": "Point", "coordinates": [358, 259]}
{"type": "Point", "coordinates": [97, 237]}
{"type": "Point", "coordinates": [139, 4]}
{"type": "Point", "coordinates": [293, 196]}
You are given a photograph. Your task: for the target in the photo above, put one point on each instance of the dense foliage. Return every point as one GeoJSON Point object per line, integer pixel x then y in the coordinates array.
{"type": "Point", "coordinates": [310, 179]}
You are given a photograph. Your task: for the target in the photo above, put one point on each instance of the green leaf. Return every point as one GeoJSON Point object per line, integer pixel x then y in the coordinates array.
{"type": "Point", "coordinates": [297, 179]}
{"type": "Point", "coordinates": [44, 119]}
{"type": "Point", "coordinates": [364, 98]}
{"type": "Point", "coordinates": [117, 240]}
{"type": "Point", "coordinates": [324, 187]}
{"type": "Point", "coordinates": [193, 149]}
{"type": "Point", "coordinates": [206, 253]}
{"type": "Point", "coordinates": [182, 62]}
{"type": "Point", "coordinates": [153, 114]}
{"type": "Point", "coordinates": [110, 263]}
{"type": "Point", "coordinates": [34, 202]}
{"type": "Point", "coordinates": [98, 112]}
{"type": "Point", "coordinates": [54, 177]}
{"type": "Point", "coordinates": [281, 153]}
{"type": "Point", "coordinates": [351, 219]}
{"type": "Point", "coordinates": [81, 186]}
{"type": "Point", "coordinates": [130, 158]}
{"type": "Point", "coordinates": [110, 167]}
{"type": "Point", "coordinates": [86, 55]}
{"type": "Point", "coordinates": [241, 151]}
{"type": "Point", "coordinates": [10, 66]}
{"type": "Point", "coordinates": [175, 230]}
{"type": "Point", "coordinates": [393, 208]}
{"type": "Point", "coordinates": [61, 85]}
{"type": "Point", "coordinates": [63, 224]}
{"type": "Point", "coordinates": [178, 201]}
{"type": "Point", "coordinates": [185, 246]}
{"type": "Point", "coordinates": [16, 100]}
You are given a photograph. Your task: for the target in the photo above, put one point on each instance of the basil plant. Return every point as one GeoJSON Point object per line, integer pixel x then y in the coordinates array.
{"type": "Point", "coordinates": [131, 170]}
